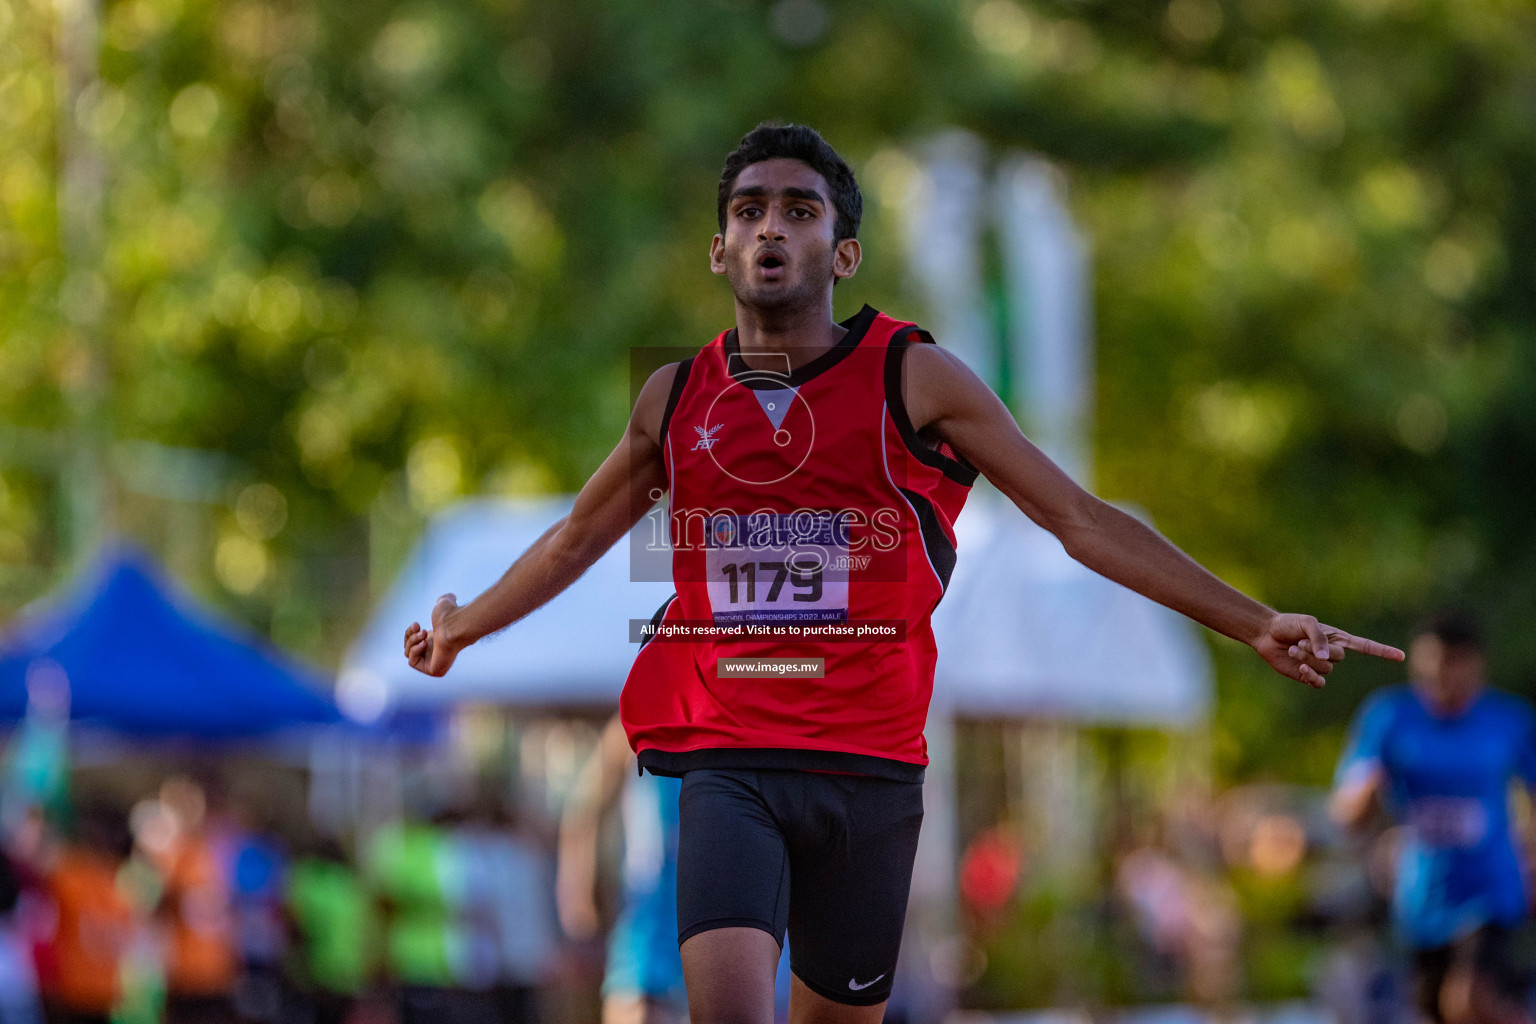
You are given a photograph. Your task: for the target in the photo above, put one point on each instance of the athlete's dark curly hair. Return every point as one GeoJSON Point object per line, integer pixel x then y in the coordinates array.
{"type": "Point", "coordinates": [769, 141]}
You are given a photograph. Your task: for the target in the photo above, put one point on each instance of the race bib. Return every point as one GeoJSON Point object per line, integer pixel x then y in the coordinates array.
{"type": "Point", "coordinates": [1448, 821]}
{"type": "Point", "coordinates": [774, 569]}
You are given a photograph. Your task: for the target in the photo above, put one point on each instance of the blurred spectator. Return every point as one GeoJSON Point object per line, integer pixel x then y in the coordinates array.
{"type": "Point", "coordinates": [201, 963]}
{"type": "Point", "coordinates": [502, 889]}
{"type": "Point", "coordinates": [257, 869]}
{"type": "Point", "coordinates": [406, 865]}
{"type": "Point", "coordinates": [35, 776]}
{"type": "Point", "coordinates": [1441, 755]}
{"type": "Point", "coordinates": [93, 922]}
{"type": "Point", "coordinates": [142, 884]}
{"type": "Point", "coordinates": [990, 870]}
{"type": "Point", "coordinates": [1187, 916]}
{"type": "Point", "coordinates": [332, 918]}
{"type": "Point", "coordinates": [18, 977]}
{"type": "Point", "coordinates": [1159, 897]}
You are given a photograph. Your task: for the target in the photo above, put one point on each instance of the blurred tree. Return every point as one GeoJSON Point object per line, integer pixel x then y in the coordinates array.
{"type": "Point", "coordinates": [380, 256]}
{"type": "Point", "coordinates": [1314, 301]}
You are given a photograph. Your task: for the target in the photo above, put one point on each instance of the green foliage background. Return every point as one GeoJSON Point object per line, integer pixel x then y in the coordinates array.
{"type": "Point", "coordinates": [355, 260]}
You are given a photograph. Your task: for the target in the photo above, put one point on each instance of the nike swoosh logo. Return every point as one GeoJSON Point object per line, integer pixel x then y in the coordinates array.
{"type": "Point", "coordinates": [857, 987]}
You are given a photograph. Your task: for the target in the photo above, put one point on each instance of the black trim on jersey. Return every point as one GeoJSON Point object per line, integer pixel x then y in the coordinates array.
{"type": "Point", "coordinates": [940, 551]}
{"type": "Point", "coordinates": [656, 621]}
{"type": "Point", "coordinates": [678, 762]}
{"type": "Point", "coordinates": [767, 380]}
{"type": "Point", "coordinates": [679, 381]}
{"type": "Point", "coordinates": [959, 469]}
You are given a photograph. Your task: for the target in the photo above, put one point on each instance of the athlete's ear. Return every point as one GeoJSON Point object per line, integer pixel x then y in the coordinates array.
{"type": "Point", "coordinates": [717, 254]}
{"type": "Point", "coordinates": [845, 261]}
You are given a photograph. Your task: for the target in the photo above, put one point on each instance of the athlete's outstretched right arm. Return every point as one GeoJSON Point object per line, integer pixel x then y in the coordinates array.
{"type": "Point", "coordinates": [941, 392]}
{"type": "Point", "coordinates": [613, 500]}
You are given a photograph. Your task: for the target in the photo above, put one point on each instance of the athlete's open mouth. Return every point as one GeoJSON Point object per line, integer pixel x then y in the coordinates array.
{"type": "Point", "coordinates": [770, 261]}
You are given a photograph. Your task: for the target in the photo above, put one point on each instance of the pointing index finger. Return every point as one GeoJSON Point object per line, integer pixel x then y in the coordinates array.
{"type": "Point", "coordinates": [1371, 647]}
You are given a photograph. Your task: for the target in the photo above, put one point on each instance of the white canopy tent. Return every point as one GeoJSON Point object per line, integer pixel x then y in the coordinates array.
{"type": "Point", "coordinates": [1027, 631]}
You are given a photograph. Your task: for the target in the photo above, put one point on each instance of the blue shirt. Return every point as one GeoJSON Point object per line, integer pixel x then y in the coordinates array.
{"type": "Point", "coordinates": [1447, 780]}
{"type": "Point", "coordinates": [642, 948]}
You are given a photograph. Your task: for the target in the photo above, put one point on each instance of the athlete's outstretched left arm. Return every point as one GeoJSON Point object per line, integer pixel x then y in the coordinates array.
{"type": "Point", "coordinates": [941, 392]}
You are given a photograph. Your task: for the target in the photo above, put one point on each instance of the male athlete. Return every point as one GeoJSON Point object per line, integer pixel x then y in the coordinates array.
{"type": "Point", "coordinates": [814, 470]}
{"type": "Point", "coordinates": [1441, 754]}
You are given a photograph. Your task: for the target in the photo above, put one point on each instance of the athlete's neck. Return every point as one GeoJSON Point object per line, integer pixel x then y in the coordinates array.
{"type": "Point", "coordinates": [765, 336]}
{"type": "Point", "coordinates": [1443, 702]}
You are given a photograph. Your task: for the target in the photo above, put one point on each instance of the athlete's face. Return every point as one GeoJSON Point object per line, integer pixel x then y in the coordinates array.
{"type": "Point", "coordinates": [1448, 677]}
{"type": "Point", "coordinates": [778, 250]}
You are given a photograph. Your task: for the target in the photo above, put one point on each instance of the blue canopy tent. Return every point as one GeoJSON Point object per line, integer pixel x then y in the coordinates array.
{"type": "Point", "coordinates": [142, 660]}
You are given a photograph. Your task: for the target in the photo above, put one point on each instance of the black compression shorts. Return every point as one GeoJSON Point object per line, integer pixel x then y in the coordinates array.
{"type": "Point", "coordinates": [827, 856]}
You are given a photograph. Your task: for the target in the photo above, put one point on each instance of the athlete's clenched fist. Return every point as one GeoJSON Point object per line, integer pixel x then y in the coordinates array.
{"type": "Point", "coordinates": [426, 649]}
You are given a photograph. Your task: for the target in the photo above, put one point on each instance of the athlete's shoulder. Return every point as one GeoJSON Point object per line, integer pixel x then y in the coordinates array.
{"type": "Point", "coordinates": [659, 384]}
{"type": "Point", "coordinates": [658, 395]}
{"type": "Point", "coordinates": [936, 378]}
{"type": "Point", "coordinates": [887, 320]}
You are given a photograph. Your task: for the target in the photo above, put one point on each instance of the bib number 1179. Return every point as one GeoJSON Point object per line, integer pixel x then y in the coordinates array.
{"type": "Point", "coordinates": [803, 577]}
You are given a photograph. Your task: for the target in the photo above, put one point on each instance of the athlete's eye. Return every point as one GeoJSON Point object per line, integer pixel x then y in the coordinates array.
{"type": "Point", "coordinates": [748, 212]}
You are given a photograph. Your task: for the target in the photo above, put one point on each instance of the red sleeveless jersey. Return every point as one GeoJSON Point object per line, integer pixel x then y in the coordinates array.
{"type": "Point", "coordinates": [808, 522]}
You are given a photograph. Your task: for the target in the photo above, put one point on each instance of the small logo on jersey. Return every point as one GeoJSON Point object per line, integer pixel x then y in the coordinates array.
{"type": "Point", "coordinates": [723, 529]}
{"type": "Point", "coordinates": [707, 438]}
{"type": "Point", "coordinates": [858, 987]}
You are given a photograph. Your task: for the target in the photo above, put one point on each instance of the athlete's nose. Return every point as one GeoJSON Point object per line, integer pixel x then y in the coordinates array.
{"type": "Point", "coordinates": [768, 229]}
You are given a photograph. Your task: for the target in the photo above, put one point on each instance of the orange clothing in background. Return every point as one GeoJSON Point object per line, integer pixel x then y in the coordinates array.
{"type": "Point", "coordinates": [203, 961]}
{"type": "Point", "coordinates": [94, 924]}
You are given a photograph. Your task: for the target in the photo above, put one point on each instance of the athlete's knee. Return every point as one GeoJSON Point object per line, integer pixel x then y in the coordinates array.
{"type": "Point", "coordinates": [729, 975]}
{"type": "Point", "coordinates": [806, 1006]}
{"type": "Point", "coordinates": [724, 1004]}
{"type": "Point", "coordinates": [728, 1015]}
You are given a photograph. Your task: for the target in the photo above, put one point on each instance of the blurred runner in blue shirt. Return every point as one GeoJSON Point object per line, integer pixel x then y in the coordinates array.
{"type": "Point", "coordinates": [643, 982]}
{"type": "Point", "coordinates": [1440, 755]}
